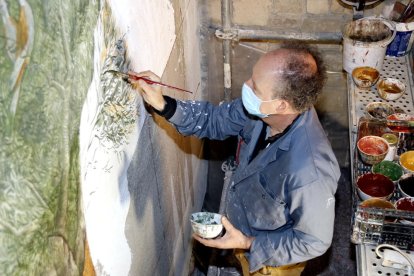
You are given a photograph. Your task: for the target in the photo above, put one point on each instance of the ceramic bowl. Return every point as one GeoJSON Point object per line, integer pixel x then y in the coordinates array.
{"type": "Point", "coordinates": [407, 161]}
{"type": "Point", "coordinates": [391, 138]}
{"type": "Point", "coordinates": [406, 185]}
{"type": "Point", "coordinates": [405, 204]}
{"type": "Point", "coordinates": [379, 110]}
{"type": "Point", "coordinates": [388, 168]}
{"type": "Point", "coordinates": [390, 89]}
{"type": "Point", "coordinates": [364, 77]}
{"type": "Point", "coordinates": [372, 149]}
{"type": "Point", "coordinates": [207, 225]}
{"type": "Point", "coordinates": [374, 185]}
{"type": "Point", "coordinates": [377, 203]}
{"type": "Point", "coordinates": [401, 122]}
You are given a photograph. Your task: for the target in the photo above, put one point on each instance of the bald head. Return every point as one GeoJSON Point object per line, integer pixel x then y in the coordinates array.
{"type": "Point", "coordinates": [295, 73]}
{"type": "Point", "coordinates": [277, 62]}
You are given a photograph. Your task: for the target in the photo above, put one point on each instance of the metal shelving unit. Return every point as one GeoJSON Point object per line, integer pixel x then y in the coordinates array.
{"type": "Point", "coordinates": [369, 227]}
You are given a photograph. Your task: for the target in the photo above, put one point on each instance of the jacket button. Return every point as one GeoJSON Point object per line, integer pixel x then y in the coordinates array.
{"type": "Point", "coordinates": [263, 196]}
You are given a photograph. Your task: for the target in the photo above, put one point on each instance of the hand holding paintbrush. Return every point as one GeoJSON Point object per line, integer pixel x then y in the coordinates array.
{"type": "Point", "coordinates": [150, 86]}
{"type": "Point", "coordinates": [151, 93]}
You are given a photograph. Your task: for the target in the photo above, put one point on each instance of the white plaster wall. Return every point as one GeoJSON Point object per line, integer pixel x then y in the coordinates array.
{"type": "Point", "coordinates": [124, 236]}
{"type": "Point", "coordinates": [105, 194]}
{"type": "Point", "coordinates": [149, 29]}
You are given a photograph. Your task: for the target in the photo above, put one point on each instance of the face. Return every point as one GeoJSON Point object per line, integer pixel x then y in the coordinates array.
{"type": "Point", "coordinates": [261, 82]}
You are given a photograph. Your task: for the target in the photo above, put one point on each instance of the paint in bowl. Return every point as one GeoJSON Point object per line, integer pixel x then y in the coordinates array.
{"type": "Point", "coordinates": [376, 185]}
{"type": "Point", "coordinates": [392, 139]}
{"type": "Point", "coordinates": [377, 203]}
{"type": "Point", "coordinates": [407, 161]}
{"type": "Point", "coordinates": [405, 204]}
{"type": "Point", "coordinates": [388, 168]}
{"type": "Point", "coordinates": [379, 110]}
{"type": "Point", "coordinates": [390, 89]}
{"type": "Point", "coordinates": [207, 225]}
{"type": "Point", "coordinates": [364, 77]}
{"type": "Point", "coordinates": [406, 185]}
{"type": "Point", "coordinates": [372, 149]}
{"type": "Point", "coordinates": [401, 122]}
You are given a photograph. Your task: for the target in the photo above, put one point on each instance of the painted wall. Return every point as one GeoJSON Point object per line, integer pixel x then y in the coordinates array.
{"type": "Point", "coordinates": [80, 152]}
{"type": "Point", "coordinates": [140, 178]}
{"type": "Point", "coordinates": [45, 70]}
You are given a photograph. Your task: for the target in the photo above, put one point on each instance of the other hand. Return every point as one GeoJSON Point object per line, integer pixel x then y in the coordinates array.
{"type": "Point", "coordinates": [233, 238]}
{"type": "Point", "coordinates": [152, 94]}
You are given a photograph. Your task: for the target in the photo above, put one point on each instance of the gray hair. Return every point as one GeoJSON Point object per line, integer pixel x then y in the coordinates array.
{"type": "Point", "coordinates": [301, 83]}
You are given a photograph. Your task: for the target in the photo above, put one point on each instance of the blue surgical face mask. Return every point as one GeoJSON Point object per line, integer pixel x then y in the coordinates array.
{"type": "Point", "coordinates": [251, 102]}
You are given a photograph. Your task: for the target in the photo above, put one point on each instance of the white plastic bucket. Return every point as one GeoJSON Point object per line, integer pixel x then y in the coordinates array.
{"type": "Point", "coordinates": [365, 42]}
{"type": "Point", "coordinates": [403, 41]}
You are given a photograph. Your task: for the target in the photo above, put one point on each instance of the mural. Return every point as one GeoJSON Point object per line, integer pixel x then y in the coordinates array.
{"type": "Point", "coordinates": [46, 68]}
{"type": "Point", "coordinates": [109, 127]}
{"type": "Point", "coordinates": [112, 118]}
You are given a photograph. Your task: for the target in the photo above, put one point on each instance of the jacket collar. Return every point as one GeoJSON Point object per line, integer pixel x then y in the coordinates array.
{"type": "Point", "coordinates": [283, 143]}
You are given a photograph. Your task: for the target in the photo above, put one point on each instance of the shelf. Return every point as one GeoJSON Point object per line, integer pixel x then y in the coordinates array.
{"type": "Point", "coordinates": [367, 262]}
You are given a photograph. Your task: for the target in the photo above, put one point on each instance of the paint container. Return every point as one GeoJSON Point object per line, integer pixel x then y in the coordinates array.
{"type": "Point", "coordinates": [403, 41]}
{"type": "Point", "coordinates": [401, 122]}
{"type": "Point", "coordinates": [389, 169]}
{"type": "Point", "coordinates": [374, 185]}
{"type": "Point", "coordinates": [379, 111]}
{"type": "Point", "coordinates": [377, 203]}
{"type": "Point", "coordinates": [372, 149]}
{"type": "Point", "coordinates": [407, 161]}
{"type": "Point", "coordinates": [406, 185]}
{"type": "Point", "coordinates": [405, 204]}
{"type": "Point", "coordinates": [390, 89]}
{"type": "Point", "coordinates": [392, 140]}
{"type": "Point", "coordinates": [365, 42]}
{"type": "Point", "coordinates": [381, 204]}
{"type": "Point", "coordinates": [207, 225]}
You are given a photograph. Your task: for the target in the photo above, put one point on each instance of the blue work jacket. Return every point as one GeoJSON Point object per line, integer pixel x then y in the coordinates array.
{"type": "Point", "coordinates": [284, 197]}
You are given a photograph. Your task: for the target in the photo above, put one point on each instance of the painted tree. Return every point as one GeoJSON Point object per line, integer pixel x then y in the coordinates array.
{"type": "Point", "coordinates": [46, 68]}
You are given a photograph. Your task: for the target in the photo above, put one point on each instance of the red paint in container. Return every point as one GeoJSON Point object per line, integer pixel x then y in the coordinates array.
{"type": "Point", "coordinates": [375, 185]}
{"type": "Point", "coordinates": [400, 122]}
{"type": "Point", "coordinates": [405, 203]}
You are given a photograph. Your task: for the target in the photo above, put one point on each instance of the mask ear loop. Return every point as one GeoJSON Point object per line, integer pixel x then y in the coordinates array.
{"type": "Point", "coordinates": [268, 101]}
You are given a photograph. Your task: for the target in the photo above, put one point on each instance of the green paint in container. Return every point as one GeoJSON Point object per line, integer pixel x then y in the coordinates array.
{"type": "Point", "coordinates": [388, 168]}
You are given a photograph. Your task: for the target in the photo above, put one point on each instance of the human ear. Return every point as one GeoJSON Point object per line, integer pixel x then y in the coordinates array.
{"type": "Point", "coordinates": [281, 106]}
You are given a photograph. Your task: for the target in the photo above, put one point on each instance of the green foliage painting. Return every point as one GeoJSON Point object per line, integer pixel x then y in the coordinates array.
{"type": "Point", "coordinates": [46, 66]}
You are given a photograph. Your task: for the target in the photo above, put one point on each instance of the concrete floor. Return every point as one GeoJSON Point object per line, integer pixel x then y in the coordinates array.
{"type": "Point", "coordinates": [333, 112]}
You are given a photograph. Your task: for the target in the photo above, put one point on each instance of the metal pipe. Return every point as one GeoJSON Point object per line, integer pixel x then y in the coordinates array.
{"type": "Point", "coordinates": [243, 34]}
{"type": "Point", "coordinates": [226, 21]}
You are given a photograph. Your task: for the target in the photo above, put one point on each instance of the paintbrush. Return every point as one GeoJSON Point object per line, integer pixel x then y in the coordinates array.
{"type": "Point", "coordinates": [128, 77]}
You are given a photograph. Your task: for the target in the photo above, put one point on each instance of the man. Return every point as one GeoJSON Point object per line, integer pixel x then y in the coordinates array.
{"type": "Point", "coordinates": [279, 209]}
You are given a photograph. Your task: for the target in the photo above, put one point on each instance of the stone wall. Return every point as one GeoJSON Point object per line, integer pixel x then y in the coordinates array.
{"type": "Point", "coordinates": [295, 16]}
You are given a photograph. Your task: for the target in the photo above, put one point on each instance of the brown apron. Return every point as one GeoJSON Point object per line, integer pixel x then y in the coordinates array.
{"type": "Point", "coordinates": [286, 270]}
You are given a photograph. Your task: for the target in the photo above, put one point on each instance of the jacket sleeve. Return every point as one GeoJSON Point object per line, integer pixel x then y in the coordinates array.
{"type": "Point", "coordinates": [203, 119]}
{"type": "Point", "coordinates": [309, 234]}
